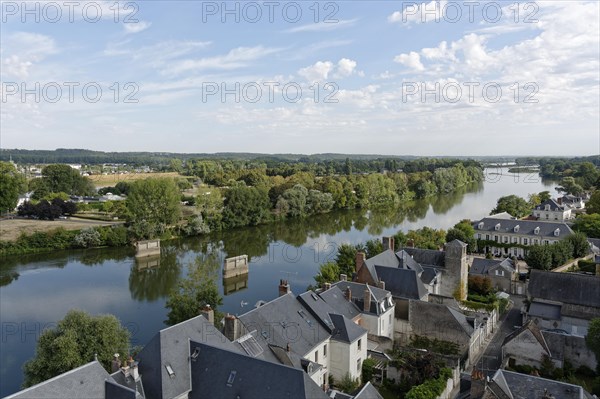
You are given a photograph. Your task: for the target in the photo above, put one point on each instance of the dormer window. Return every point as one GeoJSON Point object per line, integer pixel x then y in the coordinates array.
{"type": "Point", "coordinates": [497, 227]}
{"type": "Point", "coordinates": [516, 228]}
{"type": "Point", "coordinates": [480, 226]}
{"type": "Point", "coordinates": [536, 231]}
{"type": "Point", "coordinates": [547, 208]}
{"type": "Point", "coordinates": [556, 232]}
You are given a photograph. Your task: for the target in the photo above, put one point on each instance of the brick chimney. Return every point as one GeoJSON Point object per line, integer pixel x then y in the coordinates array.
{"type": "Point", "coordinates": [326, 286]}
{"type": "Point", "coordinates": [232, 327]}
{"type": "Point", "coordinates": [367, 300]}
{"type": "Point", "coordinates": [343, 277]}
{"type": "Point", "coordinates": [360, 259]}
{"type": "Point", "coordinates": [381, 284]}
{"type": "Point", "coordinates": [388, 243]}
{"type": "Point", "coordinates": [410, 243]}
{"type": "Point", "coordinates": [284, 287]}
{"type": "Point", "coordinates": [115, 364]}
{"type": "Point", "coordinates": [348, 294]}
{"type": "Point", "coordinates": [209, 313]}
{"type": "Point", "coordinates": [478, 384]}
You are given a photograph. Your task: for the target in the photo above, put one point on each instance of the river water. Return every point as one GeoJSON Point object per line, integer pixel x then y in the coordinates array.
{"type": "Point", "coordinates": [37, 291]}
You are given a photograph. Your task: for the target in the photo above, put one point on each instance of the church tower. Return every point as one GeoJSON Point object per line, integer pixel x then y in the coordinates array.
{"type": "Point", "coordinates": [456, 275]}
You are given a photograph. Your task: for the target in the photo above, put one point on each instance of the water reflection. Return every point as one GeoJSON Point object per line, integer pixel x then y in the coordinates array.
{"type": "Point", "coordinates": [155, 277]}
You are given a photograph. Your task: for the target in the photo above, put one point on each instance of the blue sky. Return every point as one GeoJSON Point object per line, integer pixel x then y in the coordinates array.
{"type": "Point", "coordinates": [384, 77]}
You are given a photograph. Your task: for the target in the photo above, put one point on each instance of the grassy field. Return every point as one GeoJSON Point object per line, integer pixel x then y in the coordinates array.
{"type": "Point", "coordinates": [111, 180]}
{"type": "Point", "coordinates": [11, 229]}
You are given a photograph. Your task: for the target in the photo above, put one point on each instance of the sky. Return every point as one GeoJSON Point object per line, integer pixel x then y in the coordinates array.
{"type": "Point", "coordinates": [376, 77]}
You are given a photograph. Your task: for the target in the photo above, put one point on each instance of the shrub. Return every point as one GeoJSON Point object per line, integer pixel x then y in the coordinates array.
{"type": "Point", "coordinates": [87, 238]}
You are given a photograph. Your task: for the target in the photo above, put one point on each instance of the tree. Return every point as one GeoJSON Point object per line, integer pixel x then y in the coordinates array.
{"type": "Point", "coordinates": [427, 238]}
{"type": "Point", "coordinates": [329, 272]}
{"type": "Point", "coordinates": [346, 259]}
{"type": "Point", "coordinates": [464, 232]}
{"type": "Point", "coordinates": [12, 183]}
{"type": "Point", "coordinates": [63, 178]}
{"type": "Point", "coordinates": [74, 342]}
{"type": "Point", "coordinates": [581, 247]}
{"type": "Point", "coordinates": [514, 205]}
{"type": "Point", "coordinates": [592, 339]}
{"type": "Point", "coordinates": [568, 185]}
{"type": "Point", "coordinates": [153, 205]}
{"type": "Point", "coordinates": [588, 224]}
{"type": "Point", "coordinates": [195, 291]}
{"type": "Point", "coordinates": [593, 205]}
{"type": "Point", "coordinates": [246, 206]}
{"type": "Point", "coordinates": [539, 257]}
{"type": "Point", "coordinates": [87, 238]}
{"type": "Point", "coordinates": [296, 198]}
{"type": "Point", "coordinates": [544, 196]}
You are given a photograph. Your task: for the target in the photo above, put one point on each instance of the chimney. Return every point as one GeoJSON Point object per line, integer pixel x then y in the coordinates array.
{"type": "Point", "coordinates": [231, 330]}
{"type": "Point", "coordinates": [209, 313]}
{"type": "Point", "coordinates": [134, 372]}
{"type": "Point", "coordinates": [478, 384]}
{"type": "Point", "coordinates": [284, 287]}
{"type": "Point", "coordinates": [381, 284]}
{"type": "Point", "coordinates": [130, 362]}
{"type": "Point", "coordinates": [410, 243]}
{"type": "Point", "coordinates": [326, 286]}
{"type": "Point", "coordinates": [348, 294]}
{"type": "Point", "coordinates": [115, 364]}
{"type": "Point", "coordinates": [343, 277]}
{"type": "Point", "coordinates": [360, 259]}
{"type": "Point", "coordinates": [388, 243]}
{"type": "Point", "coordinates": [288, 348]}
{"type": "Point", "coordinates": [367, 299]}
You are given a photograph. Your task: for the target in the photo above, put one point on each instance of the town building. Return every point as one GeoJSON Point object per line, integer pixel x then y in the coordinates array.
{"type": "Point", "coordinates": [550, 210]}
{"type": "Point", "coordinates": [501, 272]}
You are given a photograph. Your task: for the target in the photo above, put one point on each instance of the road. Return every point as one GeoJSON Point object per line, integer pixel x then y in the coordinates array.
{"type": "Point", "coordinates": [491, 359]}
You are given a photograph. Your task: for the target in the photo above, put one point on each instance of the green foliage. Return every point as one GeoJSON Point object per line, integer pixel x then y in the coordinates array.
{"type": "Point", "coordinates": [431, 389]}
{"type": "Point", "coordinates": [580, 244]}
{"type": "Point", "coordinates": [62, 178]}
{"type": "Point", "coordinates": [246, 206]}
{"type": "Point", "coordinates": [153, 205]}
{"type": "Point", "coordinates": [539, 257]}
{"type": "Point", "coordinates": [514, 205]}
{"type": "Point", "coordinates": [329, 272]}
{"type": "Point", "coordinates": [195, 226]}
{"type": "Point", "coordinates": [425, 237]}
{"type": "Point", "coordinates": [592, 339]}
{"type": "Point", "coordinates": [569, 185]}
{"type": "Point", "coordinates": [12, 183]}
{"type": "Point", "coordinates": [588, 224]}
{"type": "Point", "coordinates": [368, 369]}
{"type": "Point", "coordinates": [348, 384]}
{"type": "Point", "coordinates": [195, 291]}
{"type": "Point", "coordinates": [434, 345]}
{"type": "Point", "coordinates": [480, 285]}
{"type": "Point", "coordinates": [346, 259]}
{"type": "Point", "coordinates": [74, 342]}
{"type": "Point", "coordinates": [593, 205]}
{"type": "Point", "coordinates": [87, 238]}
{"type": "Point", "coordinates": [464, 232]}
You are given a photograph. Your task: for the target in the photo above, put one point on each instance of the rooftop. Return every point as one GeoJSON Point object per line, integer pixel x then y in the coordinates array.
{"type": "Point", "coordinates": [571, 288]}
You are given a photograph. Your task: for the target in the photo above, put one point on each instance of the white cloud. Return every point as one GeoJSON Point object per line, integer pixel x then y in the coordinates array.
{"type": "Point", "coordinates": [136, 27]}
{"type": "Point", "coordinates": [345, 67]}
{"type": "Point", "coordinates": [322, 70]}
{"type": "Point", "coordinates": [23, 50]}
{"type": "Point", "coordinates": [235, 58]}
{"type": "Point", "coordinates": [324, 26]}
{"type": "Point", "coordinates": [411, 60]}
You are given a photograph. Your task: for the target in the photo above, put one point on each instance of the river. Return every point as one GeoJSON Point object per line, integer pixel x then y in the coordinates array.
{"type": "Point", "coordinates": [36, 291]}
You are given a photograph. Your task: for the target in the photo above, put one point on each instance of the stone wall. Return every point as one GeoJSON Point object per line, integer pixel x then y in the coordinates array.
{"type": "Point", "coordinates": [147, 248]}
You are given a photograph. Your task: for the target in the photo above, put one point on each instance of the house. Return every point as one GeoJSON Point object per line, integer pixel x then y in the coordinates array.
{"type": "Point", "coordinates": [23, 198]}
{"type": "Point", "coordinates": [529, 345]}
{"type": "Point", "coordinates": [565, 301]}
{"type": "Point", "coordinates": [303, 331]}
{"type": "Point", "coordinates": [370, 307]}
{"type": "Point", "coordinates": [573, 202]}
{"type": "Point", "coordinates": [225, 374]}
{"type": "Point", "coordinates": [550, 210]}
{"type": "Point", "coordinates": [507, 384]}
{"type": "Point", "coordinates": [368, 391]}
{"type": "Point", "coordinates": [501, 272]}
{"type": "Point", "coordinates": [513, 236]}
{"type": "Point", "coordinates": [163, 362]}
{"type": "Point", "coordinates": [88, 381]}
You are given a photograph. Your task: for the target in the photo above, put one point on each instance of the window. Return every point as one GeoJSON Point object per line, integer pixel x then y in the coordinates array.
{"type": "Point", "coordinates": [390, 321]}
{"type": "Point", "coordinates": [500, 273]}
{"type": "Point", "coordinates": [487, 236]}
{"type": "Point", "coordinates": [359, 344]}
{"type": "Point", "coordinates": [479, 236]}
{"type": "Point", "coordinates": [317, 356]}
{"type": "Point", "coordinates": [358, 365]}
{"type": "Point", "coordinates": [325, 350]}
{"type": "Point", "coordinates": [525, 241]}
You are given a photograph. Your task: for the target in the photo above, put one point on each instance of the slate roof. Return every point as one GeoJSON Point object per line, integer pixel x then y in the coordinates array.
{"type": "Point", "coordinates": [427, 257]}
{"type": "Point", "coordinates": [318, 308]}
{"type": "Point", "coordinates": [368, 392]}
{"type": "Point", "coordinates": [485, 266]}
{"type": "Point", "coordinates": [436, 320]}
{"type": "Point", "coordinates": [335, 298]}
{"type": "Point", "coordinates": [406, 261]}
{"type": "Point", "coordinates": [346, 330]}
{"type": "Point", "coordinates": [526, 227]}
{"type": "Point", "coordinates": [554, 206]}
{"type": "Point", "coordinates": [275, 316]}
{"type": "Point", "coordinates": [127, 384]}
{"type": "Point", "coordinates": [547, 311]}
{"type": "Point", "coordinates": [169, 347]}
{"type": "Point", "coordinates": [523, 386]}
{"type": "Point", "coordinates": [84, 382]}
{"type": "Point", "coordinates": [402, 283]}
{"type": "Point", "coordinates": [571, 288]}
{"type": "Point", "coordinates": [428, 275]}
{"type": "Point", "coordinates": [534, 330]}
{"type": "Point", "coordinates": [387, 258]}
{"type": "Point", "coordinates": [224, 374]}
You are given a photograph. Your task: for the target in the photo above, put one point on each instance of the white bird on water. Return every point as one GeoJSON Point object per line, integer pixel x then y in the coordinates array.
{"type": "Point", "coordinates": [242, 303]}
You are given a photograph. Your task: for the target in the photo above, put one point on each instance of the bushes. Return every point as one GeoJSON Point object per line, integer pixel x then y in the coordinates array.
{"type": "Point", "coordinates": [87, 238]}
{"type": "Point", "coordinates": [431, 389]}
